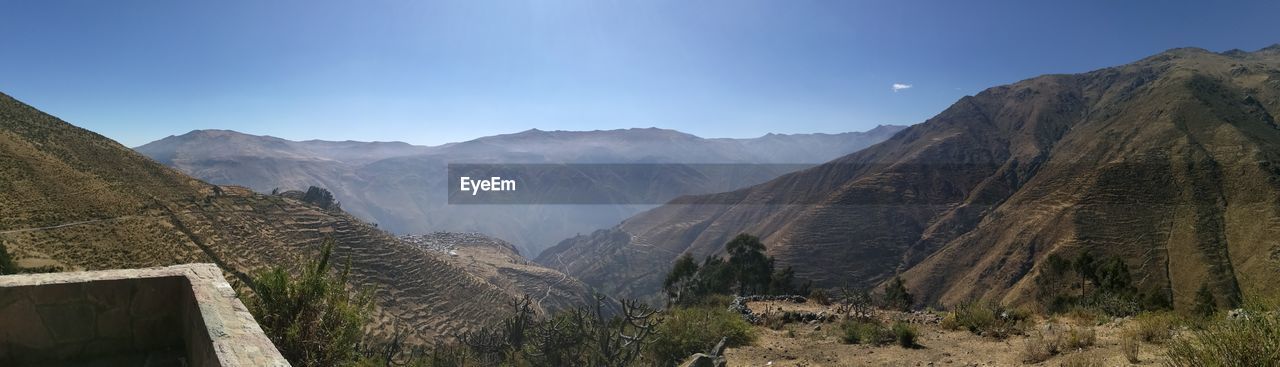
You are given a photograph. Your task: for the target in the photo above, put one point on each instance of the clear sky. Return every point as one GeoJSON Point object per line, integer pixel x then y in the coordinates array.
{"type": "Point", "coordinates": [430, 72]}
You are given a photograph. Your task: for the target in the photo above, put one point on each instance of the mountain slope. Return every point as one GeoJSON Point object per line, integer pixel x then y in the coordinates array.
{"type": "Point", "coordinates": [71, 199]}
{"type": "Point", "coordinates": [1166, 163]}
{"type": "Point", "coordinates": [401, 187]}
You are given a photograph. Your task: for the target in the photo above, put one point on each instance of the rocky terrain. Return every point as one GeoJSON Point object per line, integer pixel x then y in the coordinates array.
{"type": "Point", "coordinates": [1166, 163]}
{"type": "Point", "coordinates": [71, 199]}
{"type": "Point", "coordinates": [403, 187]}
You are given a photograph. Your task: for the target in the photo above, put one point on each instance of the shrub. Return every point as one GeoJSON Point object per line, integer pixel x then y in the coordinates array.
{"type": "Point", "coordinates": [1155, 327]}
{"type": "Point", "coordinates": [987, 319]}
{"type": "Point", "coordinates": [1231, 342]}
{"type": "Point", "coordinates": [905, 334]}
{"type": "Point", "coordinates": [313, 319]}
{"type": "Point", "coordinates": [685, 331]}
{"type": "Point", "coordinates": [1079, 338]}
{"type": "Point", "coordinates": [820, 296]}
{"type": "Point", "coordinates": [1041, 346]}
{"type": "Point", "coordinates": [773, 319]}
{"type": "Point", "coordinates": [865, 332]}
{"type": "Point", "coordinates": [1054, 339]}
{"type": "Point", "coordinates": [1130, 342]}
{"type": "Point", "coordinates": [949, 322]}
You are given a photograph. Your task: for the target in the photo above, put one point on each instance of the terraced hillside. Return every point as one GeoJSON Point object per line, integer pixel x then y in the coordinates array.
{"type": "Point", "coordinates": [499, 263]}
{"type": "Point", "coordinates": [71, 199]}
{"type": "Point", "coordinates": [1167, 163]}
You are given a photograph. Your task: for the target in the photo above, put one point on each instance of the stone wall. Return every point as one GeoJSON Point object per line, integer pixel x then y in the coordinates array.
{"type": "Point", "coordinates": [185, 313]}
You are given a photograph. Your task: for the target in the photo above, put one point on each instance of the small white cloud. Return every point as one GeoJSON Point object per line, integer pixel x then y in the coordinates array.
{"type": "Point", "coordinates": [900, 86]}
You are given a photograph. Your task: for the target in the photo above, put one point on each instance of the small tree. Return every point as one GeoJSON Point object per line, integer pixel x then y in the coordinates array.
{"type": "Point", "coordinates": [313, 319]}
{"type": "Point", "coordinates": [896, 295]}
{"type": "Point", "coordinates": [1205, 303]}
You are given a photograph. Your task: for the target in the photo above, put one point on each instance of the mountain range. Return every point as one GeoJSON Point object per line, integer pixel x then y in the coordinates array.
{"type": "Point", "coordinates": [402, 187]}
{"type": "Point", "coordinates": [71, 199]}
{"type": "Point", "coordinates": [1168, 163]}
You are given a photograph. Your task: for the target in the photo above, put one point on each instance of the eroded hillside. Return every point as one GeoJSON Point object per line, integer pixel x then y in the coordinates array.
{"type": "Point", "coordinates": [1166, 163]}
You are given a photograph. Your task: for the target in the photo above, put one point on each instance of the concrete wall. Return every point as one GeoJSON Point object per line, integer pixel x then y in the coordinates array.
{"type": "Point", "coordinates": [185, 312]}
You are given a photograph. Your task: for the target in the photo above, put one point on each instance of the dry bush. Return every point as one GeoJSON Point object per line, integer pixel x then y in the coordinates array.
{"type": "Point", "coordinates": [1130, 343]}
{"type": "Point", "coordinates": [988, 319]}
{"type": "Point", "coordinates": [1055, 339]}
{"type": "Point", "coordinates": [1079, 338]}
{"type": "Point", "coordinates": [1156, 327]}
{"type": "Point", "coordinates": [1041, 346]}
{"type": "Point", "coordinates": [773, 319]}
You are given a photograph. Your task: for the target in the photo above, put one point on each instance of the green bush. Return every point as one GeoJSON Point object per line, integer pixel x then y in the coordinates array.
{"type": "Point", "coordinates": [905, 334]}
{"type": "Point", "coordinates": [313, 319]}
{"type": "Point", "coordinates": [865, 332]}
{"type": "Point", "coordinates": [688, 330]}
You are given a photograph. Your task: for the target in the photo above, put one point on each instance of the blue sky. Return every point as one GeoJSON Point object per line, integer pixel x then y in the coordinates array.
{"type": "Point", "coordinates": [431, 72]}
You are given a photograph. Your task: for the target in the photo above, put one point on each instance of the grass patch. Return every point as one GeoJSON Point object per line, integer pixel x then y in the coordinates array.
{"type": "Point", "coordinates": [1251, 341]}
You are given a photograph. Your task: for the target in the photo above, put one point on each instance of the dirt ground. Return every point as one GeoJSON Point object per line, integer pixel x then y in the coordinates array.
{"type": "Point", "coordinates": [818, 344]}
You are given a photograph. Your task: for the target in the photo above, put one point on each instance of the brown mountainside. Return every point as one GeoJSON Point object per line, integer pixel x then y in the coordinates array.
{"type": "Point", "coordinates": [71, 199]}
{"type": "Point", "coordinates": [1168, 163]}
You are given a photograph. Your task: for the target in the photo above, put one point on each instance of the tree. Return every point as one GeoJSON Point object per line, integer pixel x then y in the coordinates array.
{"type": "Point", "coordinates": [751, 267]}
{"type": "Point", "coordinates": [1205, 303]}
{"type": "Point", "coordinates": [678, 279]}
{"type": "Point", "coordinates": [1085, 265]}
{"type": "Point", "coordinates": [313, 319]}
{"type": "Point", "coordinates": [896, 295]}
{"type": "Point", "coordinates": [783, 282]}
{"type": "Point", "coordinates": [320, 197]}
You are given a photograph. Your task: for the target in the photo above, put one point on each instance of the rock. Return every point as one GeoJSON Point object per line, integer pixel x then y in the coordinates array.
{"type": "Point", "coordinates": [704, 360]}
{"type": "Point", "coordinates": [1237, 314]}
{"type": "Point", "coordinates": [718, 350]}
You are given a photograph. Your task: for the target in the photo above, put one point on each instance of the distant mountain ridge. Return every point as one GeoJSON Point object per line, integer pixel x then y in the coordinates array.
{"type": "Point", "coordinates": [402, 187]}
{"type": "Point", "coordinates": [71, 199]}
{"type": "Point", "coordinates": [1167, 163]}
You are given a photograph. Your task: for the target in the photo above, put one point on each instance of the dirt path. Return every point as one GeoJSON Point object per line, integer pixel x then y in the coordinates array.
{"type": "Point", "coordinates": [64, 225]}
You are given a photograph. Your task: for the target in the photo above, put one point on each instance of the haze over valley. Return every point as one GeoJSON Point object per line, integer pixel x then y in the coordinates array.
{"type": "Point", "coordinates": [402, 187]}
